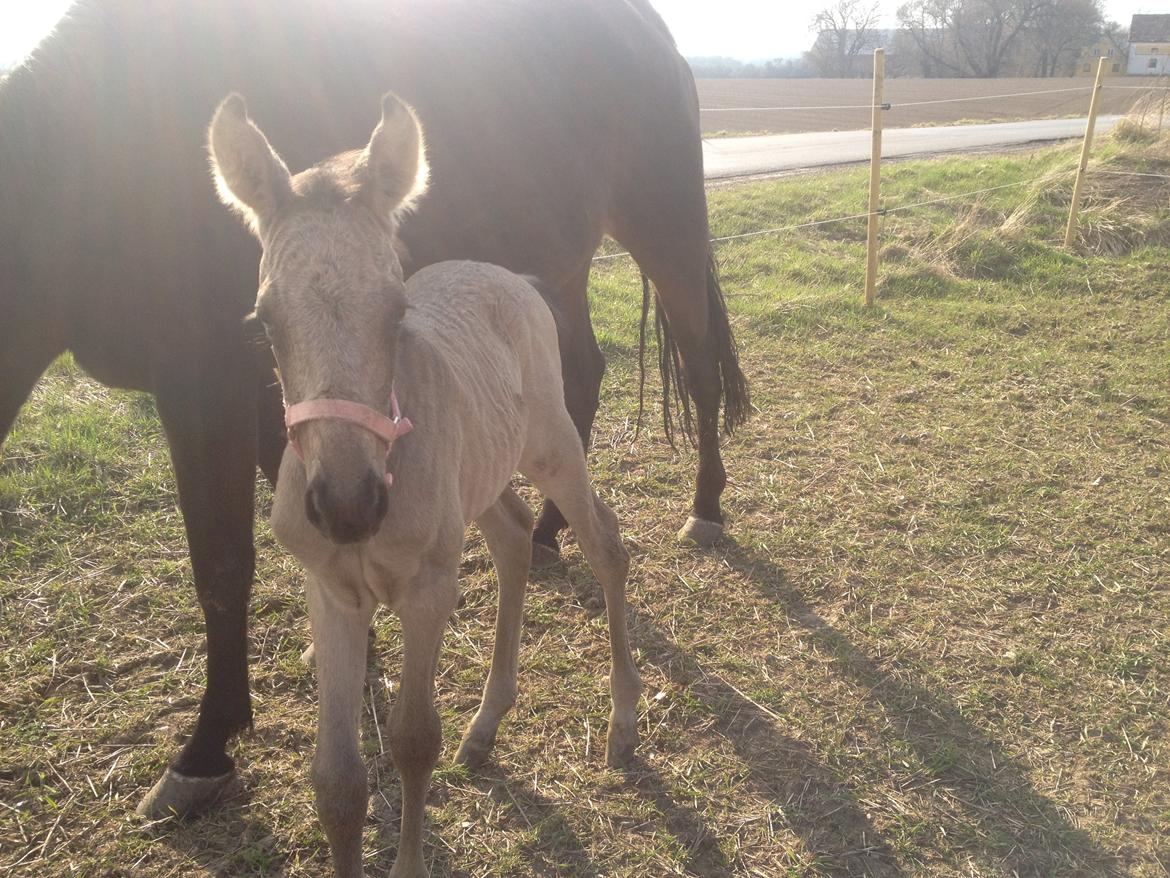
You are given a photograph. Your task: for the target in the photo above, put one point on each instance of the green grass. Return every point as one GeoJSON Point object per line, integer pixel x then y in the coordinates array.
{"type": "Point", "coordinates": [935, 643]}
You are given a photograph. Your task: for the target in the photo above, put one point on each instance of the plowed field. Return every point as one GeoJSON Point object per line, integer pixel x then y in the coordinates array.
{"type": "Point", "coordinates": [968, 99]}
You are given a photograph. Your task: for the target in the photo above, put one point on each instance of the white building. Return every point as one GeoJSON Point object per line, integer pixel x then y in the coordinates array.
{"type": "Point", "coordinates": [1149, 45]}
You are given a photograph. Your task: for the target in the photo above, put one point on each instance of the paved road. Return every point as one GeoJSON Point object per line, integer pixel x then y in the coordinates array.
{"type": "Point", "coordinates": [742, 156]}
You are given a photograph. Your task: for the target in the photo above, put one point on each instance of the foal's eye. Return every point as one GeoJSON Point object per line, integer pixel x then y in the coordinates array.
{"type": "Point", "coordinates": [254, 326]}
{"type": "Point", "coordinates": [263, 318]}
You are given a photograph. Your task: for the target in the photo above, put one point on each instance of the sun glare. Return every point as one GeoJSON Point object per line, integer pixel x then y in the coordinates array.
{"type": "Point", "coordinates": [24, 23]}
{"type": "Point", "coordinates": [747, 29]}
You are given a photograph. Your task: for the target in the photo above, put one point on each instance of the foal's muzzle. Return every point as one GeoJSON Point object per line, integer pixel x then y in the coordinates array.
{"type": "Point", "coordinates": [353, 515]}
{"type": "Point", "coordinates": [347, 517]}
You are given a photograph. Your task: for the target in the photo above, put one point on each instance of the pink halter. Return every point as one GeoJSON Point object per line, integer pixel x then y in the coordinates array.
{"type": "Point", "coordinates": [386, 429]}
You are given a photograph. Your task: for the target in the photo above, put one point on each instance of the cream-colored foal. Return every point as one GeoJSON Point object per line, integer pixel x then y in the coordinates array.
{"type": "Point", "coordinates": [375, 513]}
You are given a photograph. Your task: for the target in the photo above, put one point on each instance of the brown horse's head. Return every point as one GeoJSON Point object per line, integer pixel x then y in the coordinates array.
{"type": "Point", "coordinates": [331, 293]}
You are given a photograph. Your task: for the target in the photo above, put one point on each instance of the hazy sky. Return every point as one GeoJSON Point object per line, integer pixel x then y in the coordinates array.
{"type": "Point", "coordinates": [746, 29]}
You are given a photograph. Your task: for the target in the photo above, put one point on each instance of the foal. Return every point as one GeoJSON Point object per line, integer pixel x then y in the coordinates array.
{"type": "Point", "coordinates": [470, 353]}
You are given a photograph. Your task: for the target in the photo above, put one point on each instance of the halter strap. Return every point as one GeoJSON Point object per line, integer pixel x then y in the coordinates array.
{"type": "Point", "coordinates": [386, 429]}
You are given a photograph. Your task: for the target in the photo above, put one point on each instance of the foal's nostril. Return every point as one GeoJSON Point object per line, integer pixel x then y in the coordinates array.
{"type": "Point", "coordinates": [381, 497]}
{"type": "Point", "coordinates": [347, 519]}
{"type": "Point", "coordinates": [313, 503]}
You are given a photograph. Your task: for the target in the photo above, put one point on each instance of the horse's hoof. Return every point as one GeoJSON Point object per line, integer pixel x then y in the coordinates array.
{"type": "Point", "coordinates": [620, 745]}
{"type": "Point", "coordinates": [544, 556]}
{"type": "Point", "coordinates": [309, 656]}
{"type": "Point", "coordinates": [473, 752]}
{"type": "Point", "coordinates": [176, 795]}
{"type": "Point", "coordinates": [403, 869]}
{"type": "Point", "coordinates": [700, 532]}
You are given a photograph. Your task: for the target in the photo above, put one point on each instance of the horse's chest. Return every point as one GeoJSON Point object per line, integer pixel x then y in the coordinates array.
{"type": "Point", "coordinates": [384, 576]}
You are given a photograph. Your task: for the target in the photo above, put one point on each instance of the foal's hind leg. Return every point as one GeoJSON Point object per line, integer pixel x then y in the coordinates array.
{"type": "Point", "coordinates": [558, 471]}
{"type": "Point", "coordinates": [507, 527]}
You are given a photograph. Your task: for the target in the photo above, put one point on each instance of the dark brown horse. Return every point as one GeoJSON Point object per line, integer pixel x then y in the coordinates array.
{"type": "Point", "coordinates": [550, 124]}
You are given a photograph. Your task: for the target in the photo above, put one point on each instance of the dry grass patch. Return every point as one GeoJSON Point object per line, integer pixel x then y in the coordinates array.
{"type": "Point", "coordinates": [935, 643]}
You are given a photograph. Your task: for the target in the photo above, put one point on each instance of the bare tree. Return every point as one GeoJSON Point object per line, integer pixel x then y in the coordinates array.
{"type": "Point", "coordinates": [971, 37]}
{"type": "Point", "coordinates": [845, 30]}
{"type": "Point", "coordinates": [987, 32]}
{"type": "Point", "coordinates": [1061, 32]}
{"type": "Point", "coordinates": [930, 25]}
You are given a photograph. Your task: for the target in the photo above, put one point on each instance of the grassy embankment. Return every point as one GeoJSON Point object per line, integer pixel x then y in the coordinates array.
{"type": "Point", "coordinates": [935, 644]}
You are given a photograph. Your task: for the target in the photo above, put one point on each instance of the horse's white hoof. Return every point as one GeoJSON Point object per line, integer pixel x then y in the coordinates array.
{"type": "Point", "coordinates": [700, 532]}
{"type": "Point", "coordinates": [309, 656]}
{"type": "Point", "coordinates": [543, 557]}
{"type": "Point", "coordinates": [176, 795]}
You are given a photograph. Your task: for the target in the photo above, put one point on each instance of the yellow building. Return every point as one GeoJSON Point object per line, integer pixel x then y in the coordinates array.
{"type": "Point", "coordinates": [1114, 48]}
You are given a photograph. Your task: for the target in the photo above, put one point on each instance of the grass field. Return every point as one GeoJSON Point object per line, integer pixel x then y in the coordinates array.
{"type": "Point", "coordinates": [935, 643]}
{"type": "Point", "coordinates": [1065, 98]}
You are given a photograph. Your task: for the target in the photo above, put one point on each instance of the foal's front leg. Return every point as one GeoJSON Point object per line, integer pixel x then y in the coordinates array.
{"type": "Point", "coordinates": [507, 527]}
{"type": "Point", "coordinates": [340, 619]}
{"type": "Point", "coordinates": [414, 729]}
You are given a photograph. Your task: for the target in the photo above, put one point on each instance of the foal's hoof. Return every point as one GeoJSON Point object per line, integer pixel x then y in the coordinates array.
{"type": "Point", "coordinates": [404, 869]}
{"type": "Point", "coordinates": [620, 745]}
{"type": "Point", "coordinates": [309, 656]}
{"type": "Point", "coordinates": [544, 556]}
{"type": "Point", "coordinates": [700, 532]}
{"type": "Point", "coordinates": [474, 751]}
{"type": "Point", "coordinates": [176, 795]}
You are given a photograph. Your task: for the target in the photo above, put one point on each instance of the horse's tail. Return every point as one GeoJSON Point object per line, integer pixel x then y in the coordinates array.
{"type": "Point", "coordinates": [676, 402]}
{"type": "Point", "coordinates": [737, 399]}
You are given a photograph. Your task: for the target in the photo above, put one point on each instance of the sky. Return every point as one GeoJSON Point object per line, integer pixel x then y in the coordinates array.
{"type": "Point", "coordinates": [746, 29]}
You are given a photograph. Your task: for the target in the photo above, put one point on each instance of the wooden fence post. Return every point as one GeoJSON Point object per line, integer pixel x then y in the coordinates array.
{"type": "Point", "coordinates": [875, 174]}
{"type": "Point", "coordinates": [1075, 208]}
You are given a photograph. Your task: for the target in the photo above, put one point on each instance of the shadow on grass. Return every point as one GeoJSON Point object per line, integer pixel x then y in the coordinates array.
{"type": "Point", "coordinates": [1016, 830]}
{"type": "Point", "coordinates": [554, 849]}
{"type": "Point", "coordinates": [242, 842]}
{"type": "Point", "coordinates": [703, 854]}
{"type": "Point", "coordinates": [817, 806]}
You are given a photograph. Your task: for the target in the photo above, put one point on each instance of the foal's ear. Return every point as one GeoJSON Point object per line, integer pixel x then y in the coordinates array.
{"type": "Point", "coordinates": [250, 176]}
{"type": "Point", "coordinates": [393, 170]}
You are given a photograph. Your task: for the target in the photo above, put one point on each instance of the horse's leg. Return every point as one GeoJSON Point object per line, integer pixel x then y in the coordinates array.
{"type": "Point", "coordinates": [558, 471]}
{"type": "Point", "coordinates": [582, 367]}
{"type": "Point", "coordinates": [23, 358]}
{"type": "Point", "coordinates": [210, 422]}
{"type": "Point", "coordinates": [414, 730]}
{"type": "Point", "coordinates": [662, 220]}
{"type": "Point", "coordinates": [684, 300]}
{"type": "Point", "coordinates": [339, 775]}
{"type": "Point", "coordinates": [507, 527]}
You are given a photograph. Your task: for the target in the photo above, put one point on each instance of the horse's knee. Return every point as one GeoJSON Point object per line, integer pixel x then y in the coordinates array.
{"type": "Point", "coordinates": [415, 740]}
{"type": "Point", "coordinates": [224, 566]}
